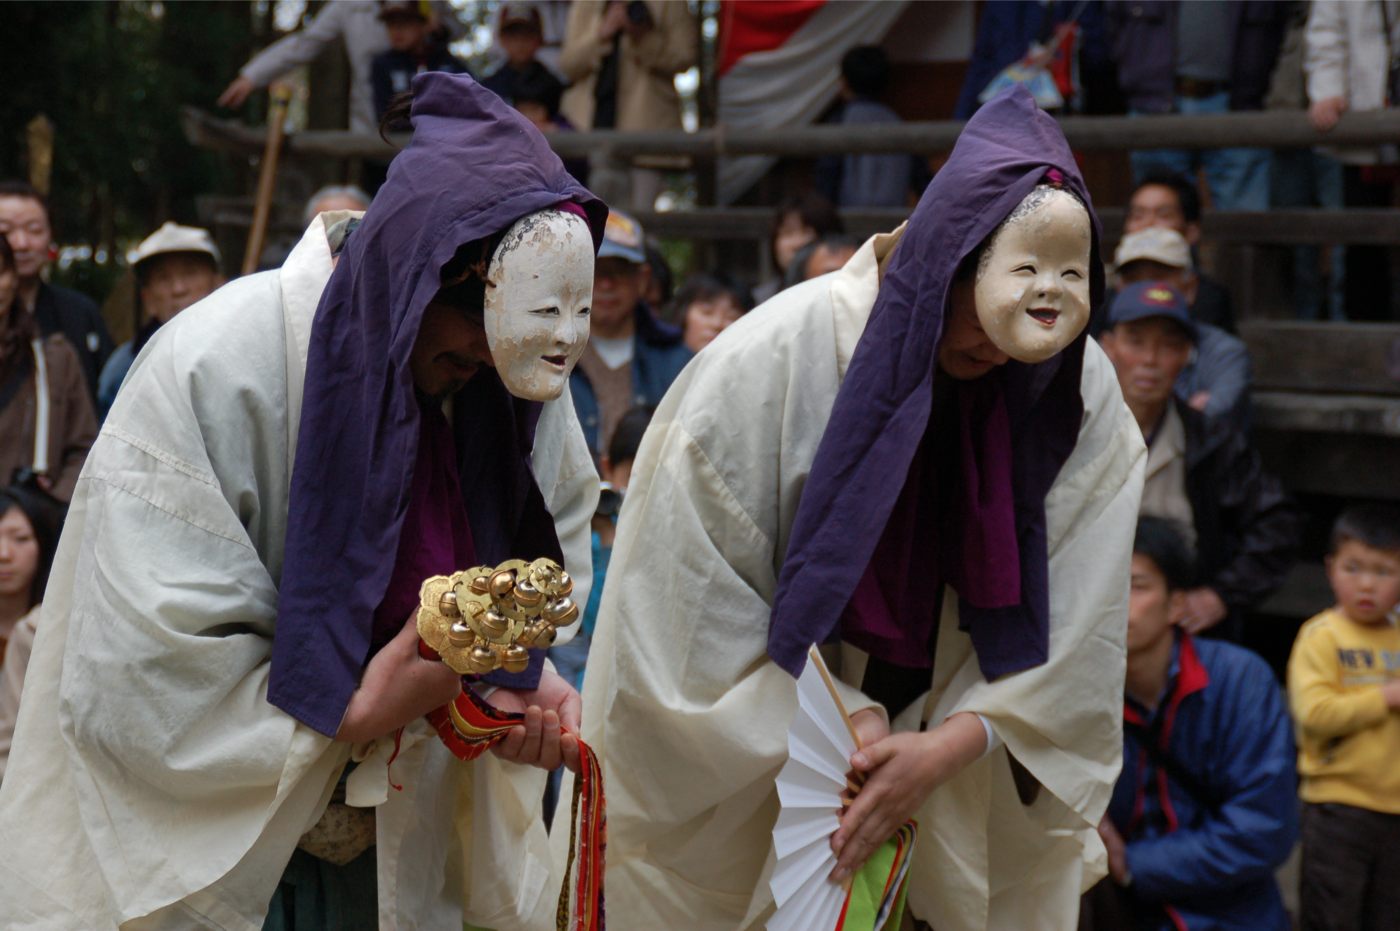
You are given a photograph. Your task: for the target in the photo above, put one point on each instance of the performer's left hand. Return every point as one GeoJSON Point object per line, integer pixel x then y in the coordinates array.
{"type": "Point", "coordinates": [541, 740]}
{"type": "Point", "coordinates": [901, 771]}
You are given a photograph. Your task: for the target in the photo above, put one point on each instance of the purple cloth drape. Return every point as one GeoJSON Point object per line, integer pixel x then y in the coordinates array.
{"type": "Point", "coordinates": [473, 168]}
{"type": "Point", "coordinates": [866, 461]}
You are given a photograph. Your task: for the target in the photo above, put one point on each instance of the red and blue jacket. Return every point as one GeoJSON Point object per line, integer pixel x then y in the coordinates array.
{"type": "Point", "coordinates": [1207, 800]}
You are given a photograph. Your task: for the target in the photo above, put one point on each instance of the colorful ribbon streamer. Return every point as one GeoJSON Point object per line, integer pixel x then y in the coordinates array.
{"type": "Point", "coordinates": [876, 899]}
{"type": "Point", "coordinates": [469, 727]}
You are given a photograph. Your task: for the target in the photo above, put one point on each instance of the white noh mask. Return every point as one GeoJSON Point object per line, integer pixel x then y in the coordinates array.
{"type": "Point", "coordinates": [1032, 287]}
{"type": "Point", "coordinates": [539, 286]}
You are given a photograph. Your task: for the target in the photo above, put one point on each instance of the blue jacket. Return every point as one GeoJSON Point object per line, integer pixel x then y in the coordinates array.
{"type": "Point", "coordinates": [1213, 812]}
{"type": "Point", "coordinates": [658, 356]}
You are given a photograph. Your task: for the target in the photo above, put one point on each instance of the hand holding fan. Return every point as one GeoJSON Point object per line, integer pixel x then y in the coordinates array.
{"type": "Point", "coordinates": [811, 788]}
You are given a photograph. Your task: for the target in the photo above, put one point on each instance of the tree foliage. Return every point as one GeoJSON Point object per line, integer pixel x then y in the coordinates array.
{"type": "Point", "coordinates": [112, 77]}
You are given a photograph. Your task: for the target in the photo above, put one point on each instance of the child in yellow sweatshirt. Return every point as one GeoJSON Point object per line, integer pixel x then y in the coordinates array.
{"type": "Point", "coordinates": [1344, 689]}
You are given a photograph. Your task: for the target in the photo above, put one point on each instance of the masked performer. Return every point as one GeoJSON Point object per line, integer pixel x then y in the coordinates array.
{"type": "Point", "coordinates": [932, 471]}
{"type": "Point", "coordinates": [225, 629]}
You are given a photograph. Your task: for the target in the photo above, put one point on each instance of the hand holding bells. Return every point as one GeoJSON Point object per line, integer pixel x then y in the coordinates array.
{"type": "Point", "coordinates": [485, 619]}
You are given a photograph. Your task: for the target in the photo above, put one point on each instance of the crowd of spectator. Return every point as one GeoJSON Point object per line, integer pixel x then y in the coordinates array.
{"type": "Point", "coordinates": [1214, 750]}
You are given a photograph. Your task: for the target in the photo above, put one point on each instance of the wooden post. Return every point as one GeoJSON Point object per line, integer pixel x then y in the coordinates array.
{"type": "Point", "coordinates": [267, 176]}
{"type": "Point", "coordinates": [38, 135]}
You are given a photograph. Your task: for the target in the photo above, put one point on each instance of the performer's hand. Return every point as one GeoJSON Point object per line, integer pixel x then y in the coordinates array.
{"type": "Point", "coordinates": [541, 741]}
{"type": "Point", "coordinates": [871, 726]}
{"type": "Point", "coordinates": [1204, 610]}
{"type": "Point", "coordinates": [398, 686]}
{"type": "Point", "coordinates": [901, 770]}
{"type": "Point", "coordinates": [1117, 851]}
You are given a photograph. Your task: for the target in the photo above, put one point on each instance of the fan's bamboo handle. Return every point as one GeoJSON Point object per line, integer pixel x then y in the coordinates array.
{"type": "Point", "coordinates": [814, 656]}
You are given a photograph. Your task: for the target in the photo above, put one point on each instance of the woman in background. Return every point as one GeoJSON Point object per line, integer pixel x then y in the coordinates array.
{"type": "Point", "coordinates": [707, 304]}
{"type": "Point", "coordinates": [28, 537]}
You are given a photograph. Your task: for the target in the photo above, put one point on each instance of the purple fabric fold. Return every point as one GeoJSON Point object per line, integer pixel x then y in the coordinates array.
{"type": "Point", "coordinates": [974, 519]}
{"type": "Point", "coordinates": [474, 166]}
{"type": "Point", "coordinates": [436, 537]}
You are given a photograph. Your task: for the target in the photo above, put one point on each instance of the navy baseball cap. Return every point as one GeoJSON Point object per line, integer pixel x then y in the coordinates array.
{"type": "Point", "coordinates": [1152, 299]}
{"type": "Point", "coordinates": [622, 239]}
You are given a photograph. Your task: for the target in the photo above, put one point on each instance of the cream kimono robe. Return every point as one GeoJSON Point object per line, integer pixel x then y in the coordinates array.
{"type": "Point", "coordinates": [151, 783]}
{"type": "Point", "coordinates": [690, 716]}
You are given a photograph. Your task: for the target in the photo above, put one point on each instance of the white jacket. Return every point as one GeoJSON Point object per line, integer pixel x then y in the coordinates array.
{"type": "Point", "coordinates": [1346, 56]}
{"type": "Point", "coordinates": [690, 716]}
{"type": "Point", "coordinates": [151, 785]}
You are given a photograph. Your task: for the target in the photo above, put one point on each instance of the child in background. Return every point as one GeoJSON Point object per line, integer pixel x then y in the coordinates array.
{"type": "Point", "coordinates": [415, 46]}
{"type": "Point", "coordinates": [521, 34]}
{"type": "Point", "coordinates": [1344, 686]}
{"type": "Point", "coordinates": [615, 469]}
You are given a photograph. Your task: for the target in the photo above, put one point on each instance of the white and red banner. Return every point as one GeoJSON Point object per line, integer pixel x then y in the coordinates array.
{"type": "Point", "coordinates": [780, 63]}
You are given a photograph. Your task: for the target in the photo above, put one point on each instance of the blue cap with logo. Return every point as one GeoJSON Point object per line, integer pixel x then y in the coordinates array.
{"type": "Point", "coordinates": [1152, 299]}
{"type": "Point", "coordinates": [622, 239]}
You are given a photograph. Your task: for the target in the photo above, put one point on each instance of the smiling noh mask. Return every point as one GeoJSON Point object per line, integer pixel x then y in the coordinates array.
{"type": "Point", "coordinates": [538, 289]}
{"type": "Point", "coordinates": [1032, 286]}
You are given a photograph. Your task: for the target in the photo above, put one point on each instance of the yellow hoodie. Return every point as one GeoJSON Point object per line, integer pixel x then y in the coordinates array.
{"type": "Point", "coordinates": [1348, 740]}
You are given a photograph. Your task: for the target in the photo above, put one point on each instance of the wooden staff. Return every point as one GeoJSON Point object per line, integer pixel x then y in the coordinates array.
{"type": "Point", "coordinates": [281, 96]}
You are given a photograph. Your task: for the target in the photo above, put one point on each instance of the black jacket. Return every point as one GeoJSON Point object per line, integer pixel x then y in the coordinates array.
{"type": "Point", "coordinates": [75, 315]}
{"type": "Point", "coordinates": [1246, 526]}
{"type": "Point", "coordinates": [1213, 304]}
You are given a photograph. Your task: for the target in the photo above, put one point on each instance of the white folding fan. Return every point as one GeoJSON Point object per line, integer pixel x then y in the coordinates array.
{"type": "Point", "coordinates": [810, 787]}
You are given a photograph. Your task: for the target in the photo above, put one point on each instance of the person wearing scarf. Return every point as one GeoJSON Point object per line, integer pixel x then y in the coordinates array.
{"type": "Point", "coordinates": [922, 463]}
{"type": "Point", "coordinates": [225, 647]}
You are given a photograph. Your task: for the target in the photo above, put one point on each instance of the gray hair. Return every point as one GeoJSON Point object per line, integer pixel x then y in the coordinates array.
{"type": "Point", "coordinates": [332, 190]}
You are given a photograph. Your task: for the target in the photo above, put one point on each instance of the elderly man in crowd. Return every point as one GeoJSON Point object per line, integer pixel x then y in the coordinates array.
{"type": "Point", "coordinates": [632, 357]}
{"type": "Point", "coordinates": [26, 222]}
{"type": "Point", "coordinates": [175, 267]}
{"type": "Point", "coordinates": [1216, 379]}
{"type": "Point", "coordinates": [1205, 476]}
{"type": "Point", "coordinates": [1170, 201]}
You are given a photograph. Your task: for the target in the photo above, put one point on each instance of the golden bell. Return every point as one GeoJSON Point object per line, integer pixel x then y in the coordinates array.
{"type": "Point", "coordinates": [561, 613]}
{"type": "Point", "coordinates": [502, 583]}
{"type": "Point", "coordinates": [527, 596]}
{"type": "Point", "coordinates": [481, 585]}
{"type": "Point", "coordinates": [566, 584]}
{"type": "Point", "coordinates": [544, 634]}
{"type": "Point", "coordinates": [515, 658]}
{"type": "Point", "coordinates": [447, 605]}
{"type": "Point", "coordinates": [460, 635]}
{"type": "Point", "coordinates": [494, 623]}
{"type": "Point", "coordinates": [482, 660]}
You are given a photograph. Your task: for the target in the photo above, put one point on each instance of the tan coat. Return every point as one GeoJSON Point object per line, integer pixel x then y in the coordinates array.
{"type": "Point", "coordinates": [646, 90]}
{"type": "Point", "coordinates": [72, 423]}
{"type": "Point", "coordinates": [690, 716]}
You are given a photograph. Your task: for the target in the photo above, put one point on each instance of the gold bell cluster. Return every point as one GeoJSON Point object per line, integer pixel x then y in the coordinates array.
{"type": "Point", "coordinates": [485, 619]}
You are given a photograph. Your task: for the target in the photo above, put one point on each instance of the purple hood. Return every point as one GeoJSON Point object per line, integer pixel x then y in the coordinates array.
{"type": "Point", "coordinates": [883, 407]}
{"type": "Point", "coordinates": [473, 168]}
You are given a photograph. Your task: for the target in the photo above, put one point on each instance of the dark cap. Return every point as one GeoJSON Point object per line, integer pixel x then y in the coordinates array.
{"type": "Point", "coordinates": [516, 15]}
{"type": "Point", "coordinates": [404, 9]}
{"type": "Point", "coordinates": [1151, 299]}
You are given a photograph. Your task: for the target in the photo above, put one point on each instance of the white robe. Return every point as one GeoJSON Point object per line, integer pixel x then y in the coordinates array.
{"type": "Point", "coordinates": [151, 784]}
{"type": "Point", "coordinates": [690, 716]}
